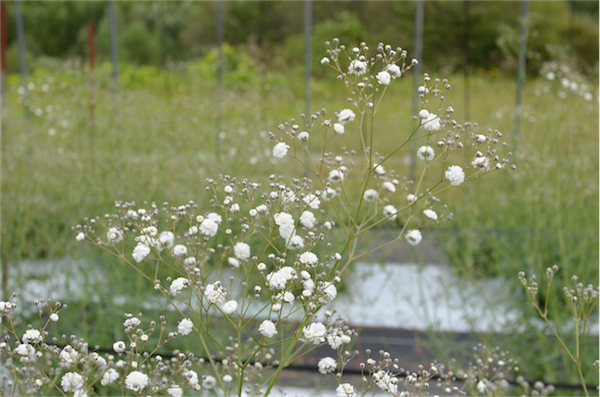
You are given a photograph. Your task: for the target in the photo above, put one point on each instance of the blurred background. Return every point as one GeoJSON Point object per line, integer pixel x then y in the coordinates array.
{"type": "Point", "coordinates": [105, 101]}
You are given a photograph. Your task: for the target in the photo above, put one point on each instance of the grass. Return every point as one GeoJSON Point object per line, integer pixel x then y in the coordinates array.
{"type": "Point", "coordinates": [157, 140]}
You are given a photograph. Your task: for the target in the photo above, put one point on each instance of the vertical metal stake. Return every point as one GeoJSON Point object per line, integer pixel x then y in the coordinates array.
{"type": "Point", "coordinates": [467, 70]}
{"type": "Point", "coordinates": [220, 4]}
{"type": "Point", "coordinates": [21, 44]}
{"type": "Point", "coordinates": [521, 68]}
{"type": "Point", "coordinates": [419, 16]}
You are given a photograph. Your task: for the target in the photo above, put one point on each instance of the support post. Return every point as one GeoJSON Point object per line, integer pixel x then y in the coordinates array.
{"type": "Point", "coordinates": [92, 77]}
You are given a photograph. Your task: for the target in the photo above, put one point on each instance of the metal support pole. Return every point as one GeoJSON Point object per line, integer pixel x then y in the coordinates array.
{"type": "Point", "coordinates": [114, 55]}
{"type": "Point", "coordinates": [92, 77]}
{"type": "Point", "coordinates": [417, 78]}
{"type": "Point", "coordinates": [21, 44]}
{"type": "Point", "coordinates": [220, 4]}
{"type": "Point", "coordinates": [521, 68]}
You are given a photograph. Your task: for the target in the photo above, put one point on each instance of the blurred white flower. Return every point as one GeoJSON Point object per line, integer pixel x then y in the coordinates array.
{"type": "Point", "coordinates": [430, 214]}
{"type": "Point", "coordinates": [280, 150]}
{"type": "Point", "coordinates": [384, 78]}
{"type": "Point", "coordinates": [413, 237]}
{"type": "Point", "coordinates": [136, 381]}
{"type": "Point", "coordinates": [267, 328]}
{"type": "Point", "coordinates": [185, 327]}
{"type": "Point", "coordinates": [425, 153]}
{"type": "Point", "coordinates": [455, 175]}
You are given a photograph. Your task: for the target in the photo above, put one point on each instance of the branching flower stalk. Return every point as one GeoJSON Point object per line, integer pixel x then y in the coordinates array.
{"type": "Point", "coordinates": [251, 273]}
{"type": "Point", "coordinates": [582, 301]}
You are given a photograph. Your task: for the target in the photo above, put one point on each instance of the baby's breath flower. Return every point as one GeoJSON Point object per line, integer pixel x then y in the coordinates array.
{"type": "Point", "coordinates": [325, 61]}
{"type": "Point", "coordinates": [209, 227]}
{"type": "Point", "coordinates": [432, 122]}
{"type": "Point", "coordinates": [110, 376]}
{"type": "Point", "coordinates": [80, 236]}
{"type": "Point", "coordinates": [339, 128]}
{"type": "Point", "coordinates": [242, 251]}
{"type": "Point", "coordinates": [307, 219]}
{"type": "Point", "coordinates": [345, 116]}
{"type": "Point", "coordinates": [411, 198]}
{"type": "Point", "coordinates": [296, 242]}
{"type": "Point", "coordinates": [165, 240]}
{"type": "Point", "coordinates": [267, 328]}
{"type": "Point", "coordinates": [215, 293]}
{"type": "Point", "coordinates": [136, 381]}
{"type": "Point", "coordinates": [230, 307]}
{"type": "Point", "coordinates": [213, 216]}
{"type": "Point", "coordinates": [389, 186]}
{"type": "Point", "coordinates": [480, 138]}
{"type": "Point", "coordinates": [308, 258]}
{"type": "Point", "coordinates": [430, 214]}
{"type": "Point", "coordinates": [413, 237]}
{"type": "Point", "coordinates": [378, 168]}
{"type": "Point", "coordinates": [209, 382]}
{"type": "Point", "coordinates": [481, 162]}
{"type": "Point", "coordinates": [384, 78]}
{"type": "Point", "coordinates": [280, 150]}
{"type": "Point", "coordinates": [312, 201]}
{"type": "Point", "coordinates": [71, 381]}
{"type": "Point", "coordinates": [140, 252]}
{"type": "Point", "coordinates": [370, 194]}
{"type": "Point", "coordinates": [425, 153]}
{"type": "Point", "coordinates": [119, 347]}
{"type": "Point", "coordinates": [390, 210]}
{"type": "Point", "coordinates": [394, 70]}
{"type": "Point", "coordinates": [455, 175]}
{"type": "Point", "coordinates": [185, 327]}
{"type": "Point", "coordinates": [315, 332]}
{"type": "Point", "coordinates": [335, 176]}
{"type": "Point", "coordinates": [357, 67]}
{"type": "Point", "coordinates": [330, 291]}
{"type": "Point", "coordinates": [233, 262]}
{"type": "Point", "coordinates": [32, 336]}
{"type": "Point", "coordinates": [345, 390]}
{"type": "Point", "coordinates": [178, 285]}
{"type": "Point", "coordinates": [180, 250]}
{"type": "Point", "coordinates": [424, 113]}
{"type": "Point", "coordinates": [327, 365]}
{"type": "Point", "coordinates": [175, 391]}
{"type": "Point", "coordinates": [53, 317]}
{"type": "Point", "coordinates": [303, 136]}
{"type": "Point", "coordinates": [114, 235]}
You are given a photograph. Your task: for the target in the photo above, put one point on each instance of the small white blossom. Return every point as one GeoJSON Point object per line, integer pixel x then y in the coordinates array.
{"type": "Point", "coordinates": [389, 186]}
{"type": "Point", "coordinates": [411, 198]}
{"type": "Point", "coordinates": [136, 381]}
{"type": "Point", "coordinates": [110, 376]}
{"type": "Point", "coordinates": [345, 116]}
{"type": "Point", "coordinates": [379, 169]}
{"type": "Point", "coordinates": [312, 201]}
{"type": "Point", "coordinates": [307, 219]}
{"type": "Point", "coordinates": [213, 216]}
{"type": "Point", "coordinates": [357, 67]}
{"type": "Point", "coordinates": [230, 307]}
{"type": "Point", "coordinates": [185, 327]}
{"type": "Point", "coordinates": [394, 70]}
{"type": "Point", "coordinates": [327, 365]}
{"type": "Point", "coordinates": [480, 138]}
{"type": "Point", "coordinates": [132, 322]}
{"type": "Point", "coordinates": [424, 113]}
{"type": "Point", "coordinates": [53, 317]}
{"type": "Point", "coordinates": [330, 291]}
{"type": "Point", "coordinates": [315, 332]}
{"type": "Point", "coordinates": [384, 78]}
{"type": "Point", "coordinates": [215, 293]}
{"type": "Point", "coordinates": [413, 237]}
{"type": "Point", "coordinates": [432, 122]}
{"type": "Point", "coordinates": [178, 285]}
{"type": "Point", "coordinates": [209, 382]}
{"type": "Point", "coordinates": [335, 176]}
{"type": "Point", "coordinates": [114, 235]}
{"type": "Point", "coordinates": [165, 240]}
{"type": "Point", "coordinates": [481, 162]}
{"type": "Point", "coordinates": [267, 328]}
{"type": "Point", "coordinates": [296, 242]}
{"type": "Point", "coordinates": [280, 150]}
{"type": "Point", "coordinates": [455, 175]}
{"type": "Point", "coordinates": [390, 210]}
{"type": "Point", "coordinates": [339, 128]}
{"type": "Point", "coordinates": [80, 236]}
{"type": "Point", "coordinates": [242, 251]}
{"type": "Point", "coordinates": [175, 391]}
{"type": "Point", "coordinates": [71, 381]}
{"type": "Point", "coordinates": [180, 250]}
{"type": "Point", "coordinates": [325, 61]}
{"type": "Point", "coordinates": [426, 153]}
{"type": "Point", "coordinates": [119, 346]}
{"type": "Point", "coordinates": [303, 136]}
{"type": "Point", "coordinates": [32, 336]}
{"type": "Point", "coordinates": [430, 214]}
{"type": "Point", "coordinates": [140, 252]}
{"type": "Point", "coordinates": [233, 262]}
{"type": "Point", "coordinates": [345, 390]}
{"type": "Point", "coordinates": [308, 258]}
{"type": "Point", "coordinates": [209, 227]}
{"type": "Point", "coordinates": [370, 195]}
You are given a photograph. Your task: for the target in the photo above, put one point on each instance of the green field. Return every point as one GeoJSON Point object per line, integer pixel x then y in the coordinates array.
{"type": "Point", "coordinates": [84, 146]}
